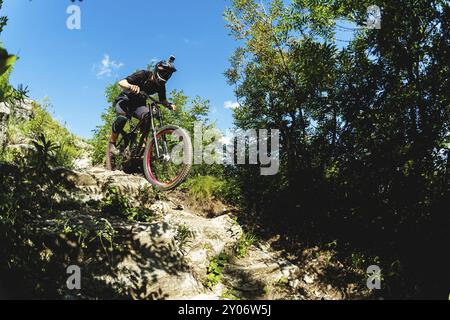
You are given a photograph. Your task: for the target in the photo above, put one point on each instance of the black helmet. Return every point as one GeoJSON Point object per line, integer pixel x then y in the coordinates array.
{"type": "Point", "coordinates": [164, 69]}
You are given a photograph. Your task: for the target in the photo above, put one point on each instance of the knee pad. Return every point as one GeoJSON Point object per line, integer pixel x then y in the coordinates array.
{"type": "Point", "coordinates": [119, 124]}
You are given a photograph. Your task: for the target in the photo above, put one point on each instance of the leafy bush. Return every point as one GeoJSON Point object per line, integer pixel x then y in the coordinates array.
{"type": "Point", "coordinates": [117, 204]}
{"type": "Point", "coordinates": [204, 187]}
{"type": "Point", "coordinates": [215, 269]}
{"type": "Point", "coordinates": [246, 240]}
{"type": "Point", "coordinates": [183, 236]}
{"type": "Point", "coordinates": [209, 187]}
{"type": "Point", "coordinates": [103, 132]}
{"type": "Point", "coordinates": [35, 203]}
{"type": "Point", "coordinates": [42, 123]}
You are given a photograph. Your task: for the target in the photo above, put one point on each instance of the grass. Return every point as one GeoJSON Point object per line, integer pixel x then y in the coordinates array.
{"type": "Point", "coordinates": [204, 188]}
{"type": "Point", "coordinates": [244, 243]}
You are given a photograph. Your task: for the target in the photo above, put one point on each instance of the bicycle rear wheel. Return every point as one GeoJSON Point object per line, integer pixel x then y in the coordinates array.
{"type": "Point", "coordinates": [168, 159]}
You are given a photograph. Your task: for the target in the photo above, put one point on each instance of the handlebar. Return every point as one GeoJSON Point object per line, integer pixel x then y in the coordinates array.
{"type": "Point", "coordinates": [146, 96]}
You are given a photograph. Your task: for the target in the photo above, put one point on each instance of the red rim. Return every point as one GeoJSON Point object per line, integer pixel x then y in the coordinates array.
{"type": "Point", "coordinates": [149, 169]}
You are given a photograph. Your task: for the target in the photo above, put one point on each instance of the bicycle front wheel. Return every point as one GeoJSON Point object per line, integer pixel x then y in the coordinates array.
{"type": "Point", "coordinates": [168, 158]}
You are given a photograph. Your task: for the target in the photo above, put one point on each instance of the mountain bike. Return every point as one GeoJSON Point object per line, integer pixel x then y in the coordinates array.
{"type": "Point", "coordinates": [163, 152]}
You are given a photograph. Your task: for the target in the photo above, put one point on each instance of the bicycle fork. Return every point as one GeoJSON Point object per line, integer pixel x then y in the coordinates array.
{"type": "Point", "coordinates": [155, 138]}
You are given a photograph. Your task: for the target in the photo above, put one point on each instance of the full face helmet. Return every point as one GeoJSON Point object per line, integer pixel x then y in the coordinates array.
{"type": "Point", "coordinates": [164, 70]}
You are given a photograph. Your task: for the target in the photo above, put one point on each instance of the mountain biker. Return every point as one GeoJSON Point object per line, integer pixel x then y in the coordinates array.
{"type": "Point", "coordinates": [129, 103]}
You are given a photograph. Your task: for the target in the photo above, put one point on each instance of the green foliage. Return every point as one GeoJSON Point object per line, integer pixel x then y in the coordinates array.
{"type": "Point", "coordinates": [363, 126]}
{"type": "Point", "coordinates": [283, 282]}
{"type": "Point", "coordinates": [65, 148]}
{"type": "Point", "coordinates": [183, 236]}
{"type": "Point", "coordinates": [215, 185]}
{"type": "Point", "coordinates": [30, 187]}
{"type": "Point", "coordinates": [103, 132]}
{"type": "Point", "coordinates": [34, 204]}
{"type": "Point", "coordinates": [6, 63]}
{"type": "Point", "coordinates": [45, 152]}
{"type": "Point", "coordinates": [117, 204]}
{"type": "Point", "coordinates": [246, 240]}
{"type": "Point", "coordinates": [7, 92]}
{"type": "Point", "coordinates": [204, 188]}
{"type": "Point", "coordinates": [230, 294]}
{"type": "Point", "coordinates": [215, 269]}
{"type": "Point", "coordinates": [100, 230]}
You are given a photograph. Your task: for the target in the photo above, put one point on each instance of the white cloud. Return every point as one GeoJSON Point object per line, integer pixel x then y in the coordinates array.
{"type": "Point", "coordinates": [231, 105]}
{"type": "Point", "coordinates": [107, 67]}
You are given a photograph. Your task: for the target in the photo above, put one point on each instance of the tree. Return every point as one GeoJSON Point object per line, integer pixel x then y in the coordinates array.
{"type": "Point", "coordinates": [7, 92]}
{"type": "Point", "coordinates": [364, 128]}
{"type": "Point", "coordinates": [6, 62]}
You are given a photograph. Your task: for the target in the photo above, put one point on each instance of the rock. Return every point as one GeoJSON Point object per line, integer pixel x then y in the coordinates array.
{"type": "Point", "coordinates": [160, 208]}
{"type": "Point", "coordinates": [294, 283]}
{"type": "Point", "coordinates": [4, 109]}
{"type": "Point", "coordinates": [23, 110]}
{"type": "Point", "coordinates": [155, 264]}
{"type": "Point", "coordinates": [165, 259]}
{"type": "Point", "coordinates": [4, 116]}
{"type": "Point", "coordinates": [22, 147]}
{"type": "Point", "coordinates": [82, 163]}
{"type": "Point", "coordinates": [308, 279]}
{"type": "Point", "coordinates": [179, 207]}
{"type": "Point", "coordinates": [127, 184]}
{"type": "Point", "coordinates": [253, 274]}
{"type": "Point", "coordinates": [79, 179]}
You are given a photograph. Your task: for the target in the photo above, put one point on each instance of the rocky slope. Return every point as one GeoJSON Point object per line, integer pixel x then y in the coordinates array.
{"type": "Point", "coordinates": [170, 252]}
{"type": "Point", "coordinates": [21, 110]}
{"type": "Point", "coordinates": [171, 256]}
{"type": "Point", "coordinates": [153, 260]}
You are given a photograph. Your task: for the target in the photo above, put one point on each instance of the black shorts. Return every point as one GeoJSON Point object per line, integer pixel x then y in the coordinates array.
{"type": "Point", "coordinates": [137, 112]}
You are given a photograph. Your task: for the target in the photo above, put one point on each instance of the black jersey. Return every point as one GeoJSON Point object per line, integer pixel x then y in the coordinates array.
{"type": "Point", "coordinates": [144, 81]}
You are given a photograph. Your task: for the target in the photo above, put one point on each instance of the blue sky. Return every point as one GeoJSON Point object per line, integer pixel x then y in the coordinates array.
{"type": "Point", "coordinates": [73, 67]}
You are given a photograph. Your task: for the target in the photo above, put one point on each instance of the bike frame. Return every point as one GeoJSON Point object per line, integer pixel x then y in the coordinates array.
{"type": "Point", "coordinates": [150, 125]}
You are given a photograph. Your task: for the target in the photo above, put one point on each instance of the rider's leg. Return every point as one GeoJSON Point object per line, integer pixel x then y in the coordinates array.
{"type": "Point", "coordinates": [118, 124]}
{"type": "Point", "coordinates": [141, 113]}
{"type": "Point", "coordinates": [117, 127]}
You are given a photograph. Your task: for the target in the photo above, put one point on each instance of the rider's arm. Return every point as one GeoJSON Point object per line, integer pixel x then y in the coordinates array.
{"type": "Point", "coordinates": [163, 98]}
{"type": "Point", "coordinates": [169, 105]}
{"type": "Point", "coordinates": [134, 81]}
{"type": "Point", "coordinates": [124, 84]}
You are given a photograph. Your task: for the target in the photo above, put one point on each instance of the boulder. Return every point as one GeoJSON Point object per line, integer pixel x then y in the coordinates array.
{"type": "Point", "coordinates": [4, 116]}
{"type": "Point", "coordinates": [23, 110]}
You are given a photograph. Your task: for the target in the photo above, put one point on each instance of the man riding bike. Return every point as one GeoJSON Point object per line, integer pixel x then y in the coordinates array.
{"type": "Point", "coordinates": [129, 103]}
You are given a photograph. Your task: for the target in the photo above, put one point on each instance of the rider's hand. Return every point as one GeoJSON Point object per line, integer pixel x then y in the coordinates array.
{"type": "Point", "coordinates": [134, 89]}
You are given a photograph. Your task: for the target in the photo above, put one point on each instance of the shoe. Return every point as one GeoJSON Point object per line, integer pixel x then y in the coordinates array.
{"type": "Point", "coordinates": [113, 150]}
